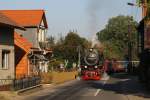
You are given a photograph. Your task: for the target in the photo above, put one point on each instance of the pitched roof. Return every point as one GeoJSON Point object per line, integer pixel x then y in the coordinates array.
{"type": "Point", "coordinates": [22, 42]}
{"type": "Point", "coordinates": [5, 21]}
{"type": "Point", "coordinates": [26, 18]}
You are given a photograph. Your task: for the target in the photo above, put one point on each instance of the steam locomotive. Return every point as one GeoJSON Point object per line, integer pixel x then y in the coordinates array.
{"type": "Point", "coordinates": [91, 64]}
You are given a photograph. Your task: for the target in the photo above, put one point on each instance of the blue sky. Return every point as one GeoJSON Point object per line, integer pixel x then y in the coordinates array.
{"type": "Point", "coordinates": [85, 16]}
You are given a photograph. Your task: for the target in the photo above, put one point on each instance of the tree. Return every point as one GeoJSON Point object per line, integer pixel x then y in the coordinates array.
{"type": "Point", "coordinates": [146, 5]}
{"type": "Point", "coordinates": [148, 10]}
{"type": "Point", "coordinates": [139, 2]}
{"type": "Point", "coordinates": [68, 47]}
{"type": "Point", "coordinates": [72, 42]}
{"type": "Point", "coordinates": [51, 41]}
{"type": "Point", "coordinates": [61, 39]}
{"type": "Point", "coordinates": [115, 36]}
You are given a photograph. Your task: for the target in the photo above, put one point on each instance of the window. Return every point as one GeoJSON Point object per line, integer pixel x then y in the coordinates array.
{"type": "Point", "coordinates": [41, 35]}
{"type": "Point", "coordinates": [5, 59]}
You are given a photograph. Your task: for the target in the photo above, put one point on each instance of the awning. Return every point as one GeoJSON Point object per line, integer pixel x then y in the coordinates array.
{"type": "Point", "coordinates": [37, 57]}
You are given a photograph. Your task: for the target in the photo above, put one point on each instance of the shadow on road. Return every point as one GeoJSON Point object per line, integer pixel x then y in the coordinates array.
{"type": "Point", "coordinates": [124, 84]}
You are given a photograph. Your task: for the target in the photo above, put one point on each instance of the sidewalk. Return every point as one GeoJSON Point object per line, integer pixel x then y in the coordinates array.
{"type": "Point", "coordinates": [7, 95]}
{"type": "Point", "coordinates": [135, 90]}
{"type": "Point", "coordinates": [13, 95]}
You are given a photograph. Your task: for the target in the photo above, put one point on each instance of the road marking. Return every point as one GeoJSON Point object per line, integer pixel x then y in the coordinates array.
{"type": "Point", "coordinates": [125, 79]}
{"type": "Point", "coordinates": [104, 82]}
{"type": "Point", "coordinates": [96, 93]}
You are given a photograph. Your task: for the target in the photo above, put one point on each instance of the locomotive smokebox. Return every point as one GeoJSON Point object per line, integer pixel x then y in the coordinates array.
{"type": "Point", "coordinates": [91, 57]}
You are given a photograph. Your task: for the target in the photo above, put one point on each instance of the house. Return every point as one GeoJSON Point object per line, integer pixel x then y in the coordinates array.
{"type": "Point", "coordinates": [7, 53]}
{"type": "Point", "coordinates": [35, 23]}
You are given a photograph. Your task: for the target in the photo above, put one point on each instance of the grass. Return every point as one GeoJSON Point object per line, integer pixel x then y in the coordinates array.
{"type": "Point", "coordinates": [46, 78]}
{"type": "Point", "coordinates": [7, 95]}
{"type": "Point", "coordinates": [58, 77]}
{"type": "Point", "coordinates": [3, 97]}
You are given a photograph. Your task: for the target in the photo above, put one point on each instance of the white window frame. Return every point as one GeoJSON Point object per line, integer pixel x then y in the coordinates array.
{"type": "Point", "coordinates": [5, 59]}
{"type": "Point", "coordinates": [41, 35]}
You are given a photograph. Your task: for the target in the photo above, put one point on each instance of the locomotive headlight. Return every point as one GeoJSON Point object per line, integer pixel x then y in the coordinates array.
{"type": "Point", "coordinates": [96, 67]}
{"type": "Point", "coordinates": [85, 66]}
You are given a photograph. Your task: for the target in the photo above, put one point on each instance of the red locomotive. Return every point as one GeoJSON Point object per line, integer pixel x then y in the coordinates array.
{"type": "Point", "coordinates": [91, 65]}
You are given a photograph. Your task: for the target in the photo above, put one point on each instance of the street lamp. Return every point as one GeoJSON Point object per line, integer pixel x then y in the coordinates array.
{"type": "Point", "coordinates": [144, 6]}
{"type": "Point", "coordinates": [130, 43]}
{"type": "Point", "coordinates": [131, 4]}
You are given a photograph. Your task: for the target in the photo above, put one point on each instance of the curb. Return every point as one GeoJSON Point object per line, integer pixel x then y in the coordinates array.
{"type": "Point", "coordinates": [40, 85]}
{"type": "Point", "coordinates": [27, 89]}
{"type": "Point", "coordinates": [47, 85]}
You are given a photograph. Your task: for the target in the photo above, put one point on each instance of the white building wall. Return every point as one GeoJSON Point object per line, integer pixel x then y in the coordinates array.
{"type": "Point", "coordinates": [8, 73]}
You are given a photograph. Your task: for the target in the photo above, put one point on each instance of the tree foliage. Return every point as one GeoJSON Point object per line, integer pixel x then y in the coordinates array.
{"type": "Point", "coordinates": [115, 36]}
{"type": "Point", "coordinates": [148, 10]}
{"type": "Point", "coordinates": [139, 2]}
{"type": "Point", "coordinates": [51, 41]}
{"type": "Point", "coordinates": [67, 47]}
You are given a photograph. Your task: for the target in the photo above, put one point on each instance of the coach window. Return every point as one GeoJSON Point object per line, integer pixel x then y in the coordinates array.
{"type": "Point", "coordinates": [5, 59]}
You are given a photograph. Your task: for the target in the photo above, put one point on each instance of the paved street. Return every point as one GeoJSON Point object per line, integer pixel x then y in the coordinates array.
{"type": "Point", "coordinates": [45, 45]}
{"type": "Point", "coordinates": [118, 87]}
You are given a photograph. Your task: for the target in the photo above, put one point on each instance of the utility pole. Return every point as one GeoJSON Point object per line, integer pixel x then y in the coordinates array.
{"type": "Point", "coordinates": [129, 47]}
{"type": "Point", "coordinates": [144, 6]}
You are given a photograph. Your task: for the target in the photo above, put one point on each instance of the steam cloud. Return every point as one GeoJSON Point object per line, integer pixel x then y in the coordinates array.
{"type": "Point", "coordinates": [93, 11]}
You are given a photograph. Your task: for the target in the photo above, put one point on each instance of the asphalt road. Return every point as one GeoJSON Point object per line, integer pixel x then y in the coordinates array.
{"type": "Point", "coordinates": [116, 87]}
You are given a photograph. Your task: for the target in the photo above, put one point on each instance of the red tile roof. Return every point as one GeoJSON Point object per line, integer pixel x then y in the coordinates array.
{"type": "Point", "coordinates": [26, 18]}
{"type": "Point", "coordinates": [5, 21]}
